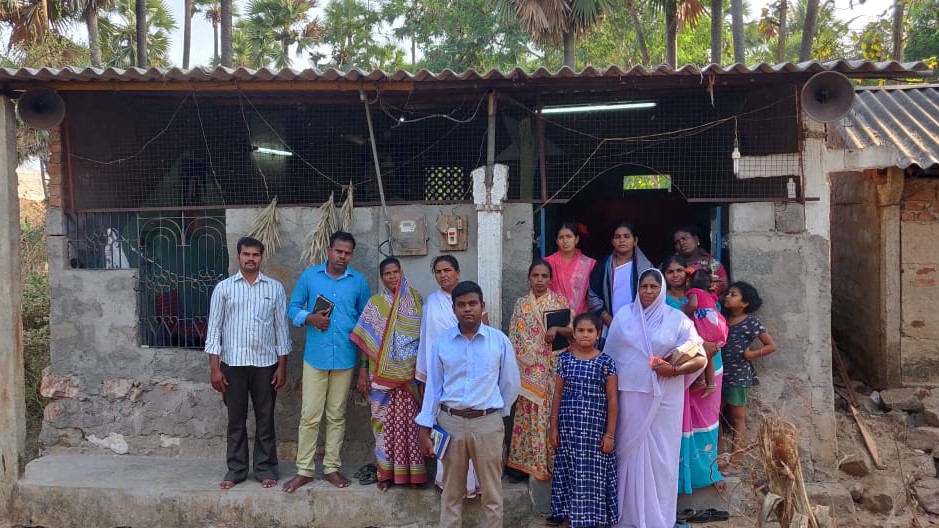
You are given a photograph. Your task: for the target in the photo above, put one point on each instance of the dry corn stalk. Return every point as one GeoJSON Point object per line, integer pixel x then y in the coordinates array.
{"type": "Point", "coordinates": [317, 241]}
{"type": "Point", "coordinates": [784, 481]}
{"type": "Point", "coordinates": [265, 228]}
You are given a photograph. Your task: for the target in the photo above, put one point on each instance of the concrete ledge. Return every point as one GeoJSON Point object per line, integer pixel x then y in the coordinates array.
{"type": "Point", "coordinates": [68, 491]}
{"type": "Point", "coordinates": [703, 498]}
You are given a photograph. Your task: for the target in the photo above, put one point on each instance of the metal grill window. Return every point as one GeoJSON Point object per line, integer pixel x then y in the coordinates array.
{"type": "Point", "coordinates": [180, 257]}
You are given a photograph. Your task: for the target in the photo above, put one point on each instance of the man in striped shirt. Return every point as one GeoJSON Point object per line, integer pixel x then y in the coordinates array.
{"type": "Point", "coordinates": [247, 342]}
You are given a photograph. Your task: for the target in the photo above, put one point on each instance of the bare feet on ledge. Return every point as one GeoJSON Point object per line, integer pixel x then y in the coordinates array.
{"type": "Point", "coordinates": [227, 484]}
{"type": "Point", "coordinates": [268, 483]}
{"type": "Point", "coordinates": [337, 479]}
{"type": "Point", "coordinates": [291, 485]}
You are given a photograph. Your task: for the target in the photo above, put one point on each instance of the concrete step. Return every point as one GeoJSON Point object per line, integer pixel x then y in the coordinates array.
{"type": "Point", "coordinates": [66, 491]}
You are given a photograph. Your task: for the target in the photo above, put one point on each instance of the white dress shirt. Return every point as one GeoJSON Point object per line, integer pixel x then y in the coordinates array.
{"type": "Point", "coordinates": [479, 373]}
{"type": "Point", "coordinates": [248, 322]}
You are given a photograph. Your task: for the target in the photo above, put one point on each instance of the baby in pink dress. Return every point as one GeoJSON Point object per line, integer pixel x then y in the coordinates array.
{"type": "Point", "coordinates": [708, 321]}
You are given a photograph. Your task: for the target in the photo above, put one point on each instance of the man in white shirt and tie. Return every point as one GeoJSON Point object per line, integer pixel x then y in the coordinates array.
{"type": "Point", "coordinates": [472, 382]}
{"type": "Point", "coordinates": [248, 342]}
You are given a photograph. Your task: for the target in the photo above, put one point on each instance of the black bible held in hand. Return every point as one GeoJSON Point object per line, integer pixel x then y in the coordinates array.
{"type": "Point", "coordinates": [560, 318]}
{"type": "Point", "coordinates": [322, 303]}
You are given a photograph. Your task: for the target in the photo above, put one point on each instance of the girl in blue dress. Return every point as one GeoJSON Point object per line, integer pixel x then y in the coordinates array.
{"type": "Point", "coordinates": [583, 424]}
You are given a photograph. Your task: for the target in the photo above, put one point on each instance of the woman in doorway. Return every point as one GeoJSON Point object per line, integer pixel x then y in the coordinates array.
{"type": "Point", "coordinates": [533, 341]}
{"type": "Point", "coordinates": [688, 246]}
{"type": "Point", "coordinates": [616, 282]}
{"type": "Point", "coordinates": [651, 401]}
{"type": "Point", "coordinates": [387, 334]}
{"type": "Point", "coordinates": [572, 268]}
{"type": "Point", "coordinates": [438, 317]}
{"type": "Point", "coordinates": [701, 417]}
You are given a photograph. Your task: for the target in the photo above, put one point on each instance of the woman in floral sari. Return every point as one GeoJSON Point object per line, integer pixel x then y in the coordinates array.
{"type": "Point", "coordinates": [530, 451]}
{"type": "Point", "coordinates": [571, 269]}
{"type": "Point", "coordinates": [387, 334]}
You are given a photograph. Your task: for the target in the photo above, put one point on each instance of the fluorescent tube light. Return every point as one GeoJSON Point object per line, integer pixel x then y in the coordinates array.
{"type": "Point", "coordinates": [585, 108]}
{"type": "Point", "coordinates": [274, 152]}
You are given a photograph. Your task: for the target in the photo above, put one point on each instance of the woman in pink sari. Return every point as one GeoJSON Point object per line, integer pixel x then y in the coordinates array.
{"type": "Point", "coordinates": [651, 402]}
{"type": "Point", "coordinates": [572, 269]}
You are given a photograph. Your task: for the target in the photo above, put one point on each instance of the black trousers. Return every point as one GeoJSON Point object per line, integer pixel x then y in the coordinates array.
{"type": "Point", "coordinates": [256, 382]}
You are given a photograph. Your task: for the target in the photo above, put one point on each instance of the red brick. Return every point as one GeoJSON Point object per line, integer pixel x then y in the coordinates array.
{"type": "Point", "coordinates": [55, 147]}
{"type": "Point", "coordinates": [926, 217]}
{"type": "Point", "coordinates": [55, 169]}
{"type": "Point", "coordinates": [911, 205]}
{"type": "Point", "coordinates": [922, 195]}
{"type": "Point", "coordinates": [909, 216]}
{"type": "Point", "coordinates": [925, 271]}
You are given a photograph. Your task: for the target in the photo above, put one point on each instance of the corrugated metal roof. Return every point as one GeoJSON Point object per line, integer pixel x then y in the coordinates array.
{"type": "Point", "coordinates": [226, 75]}
{"type": "Point", "coordinates": [903, 117]}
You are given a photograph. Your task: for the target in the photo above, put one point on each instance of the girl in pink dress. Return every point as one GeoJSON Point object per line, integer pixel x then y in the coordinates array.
{"type": "Point", "coordinates": [708, 321]}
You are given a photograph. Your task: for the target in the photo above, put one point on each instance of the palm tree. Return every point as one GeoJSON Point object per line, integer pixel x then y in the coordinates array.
{"type": "Point", "coordinates": [736, 24]}
{"type": "Point", "coordinates": [31, 20]}
{"type": "Point", "coordinates": [897, 30]}
{"type": "Point", "coordinates": [782, 31]}
{"type": "Point", "coordinates": [289, 22]}
{"type": "Point", "coordinates": [678, 14]}
{"type": "Point", "coordinates": [118, 36]}
{"type": "Point", "coordinates": [246, 55]}
{"type": "Point", "coordinates": [634, 16]}
{"type": "Point", "coordinates": [212, 12]}
{"type": "Point", "coordinates": [225, 14]}
{"type": "Point", "coordinates": [717, 29]}
{"type": "Point", "coordinates": [559, 21]}
{"type": "Point", "coordinates": [140, 13]}
{"type": "Point", "coordinates": [808, 30]}
{"type": "Point", "coordinates": [187, 31]}
{"type": "Point", "coordinates": [88, 12]}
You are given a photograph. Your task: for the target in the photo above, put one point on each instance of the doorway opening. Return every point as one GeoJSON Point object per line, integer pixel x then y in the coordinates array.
{"type": "Point", "coordinates": [633, 194]}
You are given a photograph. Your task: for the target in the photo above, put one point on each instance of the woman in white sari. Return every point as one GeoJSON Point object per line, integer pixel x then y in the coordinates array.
{"type": "Point", "coordinates": [651, 402]}
{"type": "Point", "coordinates": [438, 317]}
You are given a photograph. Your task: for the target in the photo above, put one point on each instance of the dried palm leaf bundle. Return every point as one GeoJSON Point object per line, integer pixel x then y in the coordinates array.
{"type": "Point", "coordinates": [266, 229]}
{"type": "Point", "coordinates": [347, 209]}
{"type": "Point", "coordinates": [317, 240]}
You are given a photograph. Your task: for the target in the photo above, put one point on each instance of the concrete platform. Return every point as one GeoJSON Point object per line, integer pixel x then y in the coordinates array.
{"type": "Point", "coordinates": [731, 501]}
{"type": "Point", "coordinates": [66, 491]}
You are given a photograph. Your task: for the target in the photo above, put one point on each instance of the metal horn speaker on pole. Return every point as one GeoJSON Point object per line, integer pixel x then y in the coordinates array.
{"type": "Point", "coordinates": [827, 96]}
{"type": "Point", "coordinates": [40, 108]}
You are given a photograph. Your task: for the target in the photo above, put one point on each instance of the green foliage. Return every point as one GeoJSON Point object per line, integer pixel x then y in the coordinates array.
{"type": "Point", "coordinates": [873, 41]}
{"type": "Point", "coordinates": [118, 34]}
{"type": "Point", "coordinates": [351, 29]}
{"type": "Point", "coordinates": [291, 23]}
{"type": "Point", "coordinates": [829, 43]}
{"type": "Point", "coordinates": [923, 43]}
{"type": "Point", "coordinates": [35, 317]}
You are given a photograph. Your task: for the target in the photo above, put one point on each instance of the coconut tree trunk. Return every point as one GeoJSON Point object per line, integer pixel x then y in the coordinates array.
{"type": "Point", "coordinates": [736, 14]}
{"type": "Point", "coordinates": [215, 40]}
{"type": "Point", "coordinates": [140, 13]}
{"type": "Point", "coordinates": [187, 32]}
{"type": "Point", "coordinates": [671, 32]}
{"type": "Point", "coordinates": [808, 30]}
{"type": "Point", "coordinates": [226, 33]}
{"type": "Point", "coordinates": [634, 15]}
{"type": "Point", "coordinates": [717, 29]}
{"type": "Point", "coordinates": [781, 39]}
{"type": "Point", "coordinates": [570, 60]}
{"type": "Point", "coordinates": [898, 8]}
{"type": "Point", "coordinates": [91, 22]}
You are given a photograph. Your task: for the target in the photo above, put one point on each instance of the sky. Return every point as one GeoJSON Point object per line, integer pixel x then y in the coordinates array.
{"type": "Point", "coordinates": [201, 52]}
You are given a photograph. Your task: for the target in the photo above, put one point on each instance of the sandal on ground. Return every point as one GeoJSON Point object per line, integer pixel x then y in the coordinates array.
{"type": "Point", "coordinates": [710, 515]}
{"type": "Point", "coordinates": [684, 515]}
{"type": "Point", "coordinates": [367, 474]}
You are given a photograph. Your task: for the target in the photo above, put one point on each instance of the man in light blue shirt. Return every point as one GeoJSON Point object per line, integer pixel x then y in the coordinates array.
{"type": "Point", "coordinates": [328, 357]}
{"type": "Point", "coordinates": [472, 382]}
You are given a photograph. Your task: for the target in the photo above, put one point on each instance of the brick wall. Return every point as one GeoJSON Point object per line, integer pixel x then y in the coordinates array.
{"type": "Point", "coordinates": [919, 239]}
{"type": "Point", "coordinates": [56, 169]}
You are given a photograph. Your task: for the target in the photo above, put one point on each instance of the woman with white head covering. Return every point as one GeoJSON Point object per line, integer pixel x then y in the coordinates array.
{"type": "Point", "coordinates": [651, 401]}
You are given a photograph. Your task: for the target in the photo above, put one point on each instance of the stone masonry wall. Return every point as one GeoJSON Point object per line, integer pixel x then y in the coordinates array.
{"type": "Point", "coordinates": [919, 225]}
{"type": "Point", "coordinates": [860, 226]}
{"type": "Point", "coordinates": [102, 381]}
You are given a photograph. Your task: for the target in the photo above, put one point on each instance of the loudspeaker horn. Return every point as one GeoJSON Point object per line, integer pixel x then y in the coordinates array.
{"type": "Point", "coordinates": [40, 108]}
{"type": "Point", "coordinates": [827, 96]}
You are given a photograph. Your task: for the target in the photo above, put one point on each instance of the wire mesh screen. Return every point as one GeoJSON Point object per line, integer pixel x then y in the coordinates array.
{"type": "Point", "coordinates": [180, 257]}
{"type": "Point", "coordinates": [194, 151]}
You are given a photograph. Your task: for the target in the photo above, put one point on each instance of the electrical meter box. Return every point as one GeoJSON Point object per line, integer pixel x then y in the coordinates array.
{"type": "Point", "coordinates": [453, 230]}
{"type": "Point", "coordinates": [408, 233]}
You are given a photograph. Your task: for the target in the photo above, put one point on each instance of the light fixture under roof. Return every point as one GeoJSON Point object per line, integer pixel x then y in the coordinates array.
{"type": "Point", "coordinates": [606, 107]}
{"type": "Point", "coordinates": [273, 152]}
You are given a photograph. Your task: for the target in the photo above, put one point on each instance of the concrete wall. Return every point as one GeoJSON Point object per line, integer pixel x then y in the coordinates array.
{"type": "Point", "coordinates": [919, 224]}
{"type": "Point", "coordinates": [103, 382]}
{"type": "Point", "coordinates": [865, 258]}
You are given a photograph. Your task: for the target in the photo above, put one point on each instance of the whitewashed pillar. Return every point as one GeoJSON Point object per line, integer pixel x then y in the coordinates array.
{"type": "Point", "coordinates": [488, 201]}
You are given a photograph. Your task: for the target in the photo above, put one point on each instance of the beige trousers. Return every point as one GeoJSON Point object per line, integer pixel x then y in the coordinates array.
{"type": "Point", "coordinates": [480, 440]}
{"type": "Point", "coordinates": [322, 390]}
